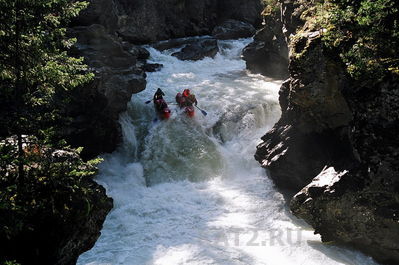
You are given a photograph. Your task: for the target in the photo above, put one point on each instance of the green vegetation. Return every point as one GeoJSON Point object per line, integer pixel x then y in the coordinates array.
{"type": "Point", "coordinates": [366, 32]}
{"type": "Point", "coordinates": [38, 181]}
{"type": "Point", "coordinates": [271, 7]}
{"type": "Point", "coordinates": [10, 263]}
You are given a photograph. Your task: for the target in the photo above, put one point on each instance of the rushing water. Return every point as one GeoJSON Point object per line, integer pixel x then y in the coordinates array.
{"type": "Point", "coordinates": [188, 191]}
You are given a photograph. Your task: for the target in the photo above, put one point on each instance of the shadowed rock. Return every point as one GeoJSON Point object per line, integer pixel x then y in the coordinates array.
{"type": "Point", "coordinates": [96, 108]}
{"type": "Point", "coordinates": [152, 67]}
{"type": "Point", "coordinates": [176, 43]}
{"type": "Point", "coordinates": [268, 53]}
{"type": "Point", "coordinates": [198, 50]}
{"type": "Point", "coordinates": [338, 207]}
{"type": "Point", "coordinates": [233, 29]}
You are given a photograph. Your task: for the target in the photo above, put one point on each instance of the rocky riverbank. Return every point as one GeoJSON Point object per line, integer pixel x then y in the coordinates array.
{"type": "Point", "coordinates": [335, 144]}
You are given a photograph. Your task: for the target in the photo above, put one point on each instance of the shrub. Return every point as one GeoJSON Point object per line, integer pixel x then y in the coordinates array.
{"type": "Point", "coordinates": [366, 33]}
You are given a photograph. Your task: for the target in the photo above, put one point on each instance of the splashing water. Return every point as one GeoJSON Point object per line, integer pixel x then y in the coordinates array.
{"type": "Point", "coordinates": [188, 190]}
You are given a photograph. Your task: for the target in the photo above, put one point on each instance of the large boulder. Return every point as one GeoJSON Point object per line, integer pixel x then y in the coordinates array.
{"type": "Point", "coordinates": [152, 67]}
{"type": "Point", "coordinates": [176, 43]}
{"type": "Point", "coordinates": [198, 50]}
{"type": "Point", "coordinates": [268, 53]}
{"type": "Point", "coordinates": [233, 29]}
{"type": "Point", "coordinates": [293, 158]}
{"type": "Point", "coordinates": [338, 207]}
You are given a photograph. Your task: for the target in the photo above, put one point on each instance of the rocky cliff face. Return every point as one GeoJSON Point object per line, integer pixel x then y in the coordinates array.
{"type": "Point", "coordinates": [361, 206]}
{"type": "Point", "coordinates": [145, 21]}
{"type": "Point", "coordinates": [108, 33]}
{"type": "Point", "coordinates": [96, 107]}
{"type": "Point", "coordinates": [269, 46]}
{"type": "Point", "coordinates": [312, 131]}
{"type": "Point", "coordinates": [336, 145]}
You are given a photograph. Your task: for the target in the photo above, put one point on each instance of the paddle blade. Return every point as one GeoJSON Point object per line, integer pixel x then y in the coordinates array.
{"type": "Point", "coordinates": [202, 111]}
{"type": "Point", "coordinates": [148, 101]}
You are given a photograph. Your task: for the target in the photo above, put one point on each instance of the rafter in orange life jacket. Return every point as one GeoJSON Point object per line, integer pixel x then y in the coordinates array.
{"type": "Point", "coordinates": [191, 99]}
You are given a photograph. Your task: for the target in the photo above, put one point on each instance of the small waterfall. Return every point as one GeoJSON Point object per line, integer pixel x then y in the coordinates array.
{"type": "Point", "coordinates": [130, 144]}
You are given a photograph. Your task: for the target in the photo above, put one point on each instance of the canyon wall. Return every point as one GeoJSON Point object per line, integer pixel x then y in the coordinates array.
{"type": "Point", "coordinates": [336, 144]}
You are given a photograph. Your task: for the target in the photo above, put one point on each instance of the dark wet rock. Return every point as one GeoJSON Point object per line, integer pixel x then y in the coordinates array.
{"type": "Point", "coordinates": [341, 210]}
{"type": "Point", "coordinates": [268, 53]}
{"type": "Point", "coordinates": [102, 12]}
{"type": "Point", "coordinates": [293, 158]}
{"type": "Point", "coordinates": [152, 67]}
{"type": "Point", "coordinates": [198, 50]}
{"type": "Point", "coordinates": [138, 52]}
{"type": "Point", "coordinates": [176, 43]}
{"type": "Point", "coordinates": [96, 107]}
{"type": "Point", "coordinates": [101, 49]}
{"type": "Point", "coordinates": [233, 29]}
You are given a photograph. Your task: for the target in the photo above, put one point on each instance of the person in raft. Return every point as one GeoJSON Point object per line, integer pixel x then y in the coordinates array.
{"type": "Point", "coordinates": [158, 94]}
{"type": "Point", "coordinates": [189, 99]}
{"type": "Point", "coordinates": [159, 102]}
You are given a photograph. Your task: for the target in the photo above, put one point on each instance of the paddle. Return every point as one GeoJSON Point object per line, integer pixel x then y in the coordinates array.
{"type": "Point", "coordinates": [148, 101]}
{"type": "Point", "coordinates": [202, 111]}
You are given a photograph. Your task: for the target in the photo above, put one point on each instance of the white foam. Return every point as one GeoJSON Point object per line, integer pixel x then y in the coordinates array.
{"type": "Point", "coordinates": [217, 207]}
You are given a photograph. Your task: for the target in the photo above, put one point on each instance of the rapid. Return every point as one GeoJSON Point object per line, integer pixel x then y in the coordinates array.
{"type": "Point", "coordinates": [188, 190]}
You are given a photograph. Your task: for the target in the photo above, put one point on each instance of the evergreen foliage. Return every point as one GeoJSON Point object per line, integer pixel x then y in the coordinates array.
{"type": "Point", "coordinates": [38, 181]}
{"type": "Point", "coordinates": [34, 64]}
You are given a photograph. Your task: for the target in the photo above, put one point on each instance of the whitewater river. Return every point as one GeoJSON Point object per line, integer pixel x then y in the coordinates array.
{"type": "Point", "coordinates": [188, 191]}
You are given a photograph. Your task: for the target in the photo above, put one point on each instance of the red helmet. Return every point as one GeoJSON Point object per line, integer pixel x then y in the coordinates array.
{"type": "Point", "coordinates": [186, 92]}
